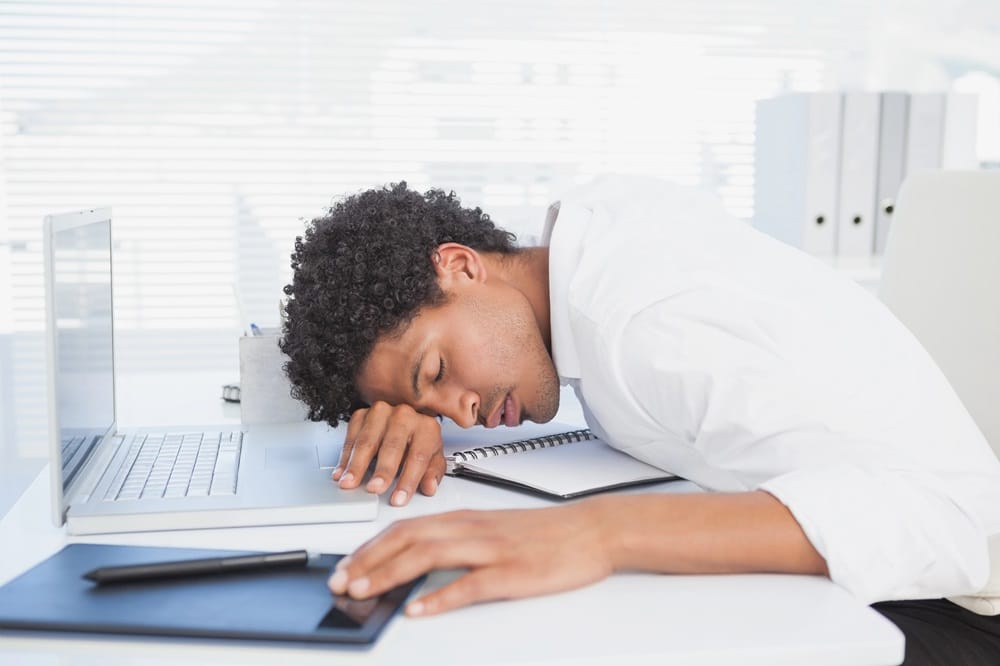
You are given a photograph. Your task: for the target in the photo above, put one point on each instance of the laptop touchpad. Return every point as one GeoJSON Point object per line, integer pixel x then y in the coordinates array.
{"type": "Point", "coordinates": [291, 456]}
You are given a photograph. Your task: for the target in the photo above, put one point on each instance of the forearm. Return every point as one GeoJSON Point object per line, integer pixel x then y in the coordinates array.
{"type": "Point", "coordinates": [704, 533]}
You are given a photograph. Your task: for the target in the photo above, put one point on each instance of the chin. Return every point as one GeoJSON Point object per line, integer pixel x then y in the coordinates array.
{"type": "Point", "coordinates": [548, 409]}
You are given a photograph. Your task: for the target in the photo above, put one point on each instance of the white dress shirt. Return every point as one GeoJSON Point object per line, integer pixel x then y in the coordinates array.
{"type": "Point", "coordinates": [701, 346]}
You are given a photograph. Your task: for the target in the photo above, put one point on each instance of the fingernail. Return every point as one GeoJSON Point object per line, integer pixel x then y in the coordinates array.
{"type": "Point", "coordinates": [399, 498]}
{"type": "Point", "coordinates": [337, 582]}
{"type": "Point", "coordinates": [434, 486]}
{"type": "Point", "coordinates": [375, 484]}
{"type": "Point", "coordinates": [336, 473]}
{"type": "Point", "coordinates": [358, 587]}
{"type": "Point", "coordinates": [415, 608]}
{"type": "Point", "coordinates": [347, 478]}
{"type": "Point", "coordinates": [342, 563]}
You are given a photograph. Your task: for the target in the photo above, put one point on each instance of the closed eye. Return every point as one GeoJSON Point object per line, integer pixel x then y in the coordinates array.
{"type": "Point", "coordinates": [440, 374]}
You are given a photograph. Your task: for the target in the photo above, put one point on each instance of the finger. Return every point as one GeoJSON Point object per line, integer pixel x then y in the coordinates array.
{"type": "Point", "coordinates": [353, 427]}
{"type": "Point", "coordinates": [425, 447]}
{"type": "Point", "coordinates": [432, 477]}
{"type": "Point", "coordinates": [366, 444]}
{"type": "Point", "coordinates": [419, 558]}
{"type": "Point", "coordinates": [396, 538]}
{"type": "Point", "coordinates": [485, 584]}
{"type": "Point", "coordinates": [390, 453]}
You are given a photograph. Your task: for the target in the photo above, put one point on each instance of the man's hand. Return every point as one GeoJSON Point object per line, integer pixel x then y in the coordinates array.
{"type": "Point", "coordinates": [512, 554]}
{"type": "Point", "coordinates": [509, 554]}
{"type": "Point", "coordinates": [395, 436]}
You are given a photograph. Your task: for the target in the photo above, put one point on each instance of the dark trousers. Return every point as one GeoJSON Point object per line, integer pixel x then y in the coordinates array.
{"type": "Point", "coordinates": [939, 633]}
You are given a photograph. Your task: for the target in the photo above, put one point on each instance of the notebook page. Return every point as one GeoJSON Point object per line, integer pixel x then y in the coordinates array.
{"type": "Point", "coordinates": [570, 468]}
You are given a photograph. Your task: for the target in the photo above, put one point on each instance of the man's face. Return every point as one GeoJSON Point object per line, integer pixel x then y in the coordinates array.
{"type": "Point", "coordinates": [479, 358]}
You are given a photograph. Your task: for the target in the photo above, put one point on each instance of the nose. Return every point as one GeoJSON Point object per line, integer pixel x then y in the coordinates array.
{"type": "Point", "coordinates": [469, 407]}
{"type": "Point", "coordinates": [461, 406]}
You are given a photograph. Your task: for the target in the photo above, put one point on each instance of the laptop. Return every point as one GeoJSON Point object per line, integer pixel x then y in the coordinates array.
{"type": "Point", "coordinates": [141, 479]}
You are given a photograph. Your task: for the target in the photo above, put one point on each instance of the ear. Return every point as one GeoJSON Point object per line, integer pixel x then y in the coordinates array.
{"type": "Point", "coordinates": [455, 263]}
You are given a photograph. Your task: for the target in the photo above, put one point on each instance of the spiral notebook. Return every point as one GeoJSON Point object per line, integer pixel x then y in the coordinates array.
{"type": "Point", "coordinates": [563, 465]}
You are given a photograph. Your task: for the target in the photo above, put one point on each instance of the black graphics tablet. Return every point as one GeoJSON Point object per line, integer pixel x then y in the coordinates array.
{"type": "Point", "coordinates": [290, 604]}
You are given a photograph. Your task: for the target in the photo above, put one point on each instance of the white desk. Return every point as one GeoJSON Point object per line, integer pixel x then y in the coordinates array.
{"type": "Point", "coordinates": [626, 619]}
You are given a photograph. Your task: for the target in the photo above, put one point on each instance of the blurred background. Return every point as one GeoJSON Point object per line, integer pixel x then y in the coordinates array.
{"type": "Point", "coordinates": [214, 128]}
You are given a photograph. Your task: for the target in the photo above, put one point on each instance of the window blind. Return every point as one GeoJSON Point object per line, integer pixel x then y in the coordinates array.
{"type": "Point", "coordinates": [213, 128]}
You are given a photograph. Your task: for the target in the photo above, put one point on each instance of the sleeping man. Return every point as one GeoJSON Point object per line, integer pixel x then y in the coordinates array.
{"type": "Point", "coordinates": [827, 439]}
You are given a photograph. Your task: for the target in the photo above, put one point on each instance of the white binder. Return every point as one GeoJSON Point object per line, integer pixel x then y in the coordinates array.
{"type": "Point", "coordinates": [925, 131]}
{"type": "Point", "coordinates": [958, 143]}
{"type": "Point", "coordinates": [796, 161]}
{"type": "Point", "coordinates": [858, 175]}
{"type": "Point", "coordinates": [891, 161]}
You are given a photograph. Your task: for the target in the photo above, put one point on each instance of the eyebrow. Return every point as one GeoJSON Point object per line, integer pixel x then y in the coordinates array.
{"type": "Point", "coordinates": [416, 373]}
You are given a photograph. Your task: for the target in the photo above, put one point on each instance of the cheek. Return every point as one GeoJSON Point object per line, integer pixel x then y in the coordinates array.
{"type": "Point", "coordinates": [481, 362]}
{"type": "Point", "coordinates": [499, 344]}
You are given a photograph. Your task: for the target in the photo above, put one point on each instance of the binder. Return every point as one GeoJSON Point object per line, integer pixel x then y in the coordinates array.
{"type": "Point", "coordinates": [891, 161]}
{"type": "Point", "coordinates": [858, 175]}
{"type": "Point", "coordinates": [958, 143]}
{"type": "Point", "coordinates": [925, 131]}
{"type": "Point", "coordinates": [796, 164]}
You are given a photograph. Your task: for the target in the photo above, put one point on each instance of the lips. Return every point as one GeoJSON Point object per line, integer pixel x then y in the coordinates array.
{"type": "Point", "coordinates": [507, 412]}
{"type": "Point", "coordinates": [510, 413]}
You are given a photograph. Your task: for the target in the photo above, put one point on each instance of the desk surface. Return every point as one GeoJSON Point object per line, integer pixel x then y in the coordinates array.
{"type": "Point", "coordinates": [628, 618]}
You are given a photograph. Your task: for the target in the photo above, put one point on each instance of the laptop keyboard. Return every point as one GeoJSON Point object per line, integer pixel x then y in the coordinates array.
{"type": "Point", "coordinates": [168, 465]}
{"type": "Point", "coordinates": [69, 448]}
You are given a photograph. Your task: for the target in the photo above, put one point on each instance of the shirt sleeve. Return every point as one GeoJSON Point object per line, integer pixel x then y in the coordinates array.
{"type": "Point", "coordinates": [893, 519]}
{"type": "Point", "coordinates": [886, 534]}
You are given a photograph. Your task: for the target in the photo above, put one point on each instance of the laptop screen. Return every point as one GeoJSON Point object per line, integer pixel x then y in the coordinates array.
{"type": "Point", "coordinates": [81, 315]}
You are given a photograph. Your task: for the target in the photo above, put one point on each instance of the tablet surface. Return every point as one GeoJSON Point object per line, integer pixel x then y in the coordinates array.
{"type": "Point", "coordinates": [289, 604]}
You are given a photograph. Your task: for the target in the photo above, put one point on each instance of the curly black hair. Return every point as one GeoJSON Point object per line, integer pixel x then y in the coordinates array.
{"type": "Point", "coordinates": [364, 271]}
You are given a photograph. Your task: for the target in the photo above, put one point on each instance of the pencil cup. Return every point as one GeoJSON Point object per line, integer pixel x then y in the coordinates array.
{"type": "Point", "coordinates": [265, 392]}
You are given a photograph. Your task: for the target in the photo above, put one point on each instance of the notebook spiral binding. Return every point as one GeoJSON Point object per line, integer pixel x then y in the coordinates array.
{"type": "Point", "coordinates": [524, 445]}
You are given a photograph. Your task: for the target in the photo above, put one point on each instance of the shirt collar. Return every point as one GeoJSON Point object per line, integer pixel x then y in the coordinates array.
{"type": "Point", "coordinates": [565, 243]}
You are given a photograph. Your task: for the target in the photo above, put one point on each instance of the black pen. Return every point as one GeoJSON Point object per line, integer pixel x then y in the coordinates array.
{"type": "Point", "coordinates": [202, 567]}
